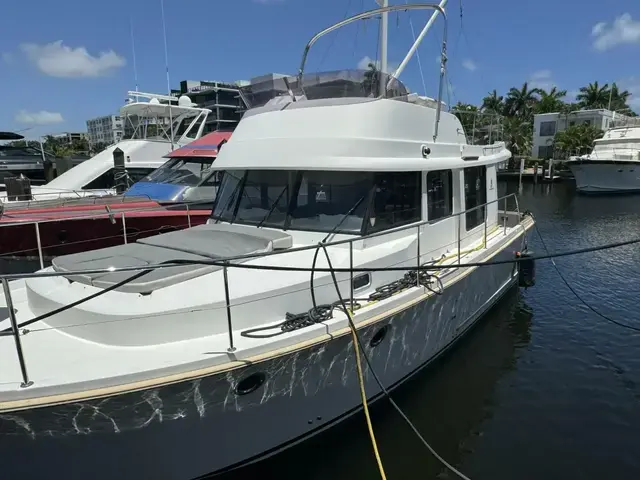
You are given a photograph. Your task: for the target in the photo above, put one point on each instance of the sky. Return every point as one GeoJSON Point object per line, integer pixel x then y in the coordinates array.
{"type": "Point", "coordinates": [75, 59]}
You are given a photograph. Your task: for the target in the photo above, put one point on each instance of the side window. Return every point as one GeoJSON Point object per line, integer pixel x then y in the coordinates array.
{"type": "Point", "coordinates": [396, 200]}
{"type": "Point", "coordinates": [475, 194]}
{"type": "Point", "coordinates": [137, 174]}
{"type": "Point", "coordinates": [439, 194]}
{"type": "Point", "coordinates": [102, 182]}
{"type": "Point", "coordinates": [106, 180]}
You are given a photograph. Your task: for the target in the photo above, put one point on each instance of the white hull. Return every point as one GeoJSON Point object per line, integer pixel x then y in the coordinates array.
{"type": "Point", "coordinates": [606, 177]}
{"type": "Point", "coordinates": [200, 426]}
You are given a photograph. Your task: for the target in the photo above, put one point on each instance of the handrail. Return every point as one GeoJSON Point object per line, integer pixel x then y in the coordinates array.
{"type": "Point", "coordinates": [15, 276]}
{"type": "Point", "coordinates": [226, 263]}
{"type": "Point", "coordinates": [372, 13]}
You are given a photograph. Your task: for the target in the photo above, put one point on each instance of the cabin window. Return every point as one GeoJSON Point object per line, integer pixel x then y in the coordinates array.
{"type": "Point", "coordinates": [396, 200]}
{"type": "Point", "coordinates": [326, 199]}
{"type": "Point", "coordinates": [320, 201]}
{"type": "Point", "coordinates": [106, 180]}
{"type": "Point", "coordinates": [475, 194]}
{"type": "Point", "coordinates": [439, 194]}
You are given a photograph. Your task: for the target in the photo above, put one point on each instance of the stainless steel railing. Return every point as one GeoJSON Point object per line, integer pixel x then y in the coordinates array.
{"type": "Point", "coordinates": [108, 213]}
{"type": "Point", "coordinates": [226, 263]}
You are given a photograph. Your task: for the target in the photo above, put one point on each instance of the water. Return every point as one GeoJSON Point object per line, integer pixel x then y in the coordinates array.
{"type": "Point", "coordinates": [541, 389]}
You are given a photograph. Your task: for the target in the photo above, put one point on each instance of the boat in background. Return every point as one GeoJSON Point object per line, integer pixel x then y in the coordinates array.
{"type": "Point", "coordinates": [178, 195]}
{"type": "Point", "coordinates": [197, 351]}
{"type": "Point", "coordinates": [613, 166]}
{"type": "Point", "coordinates": [157, 128]}
{"type": "Point", "coordinates": [21, 160]}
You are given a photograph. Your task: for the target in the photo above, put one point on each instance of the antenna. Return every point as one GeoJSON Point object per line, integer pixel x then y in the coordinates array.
{"type": "Point", "coordinates": [166, 63]}
{"type": "Point", "coordinates": [133, 50]}
{"type": "Point", "coordinates": [384, 26]}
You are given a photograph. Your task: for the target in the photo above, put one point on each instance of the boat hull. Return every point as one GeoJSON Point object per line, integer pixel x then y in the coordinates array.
{"type": "Point", "coordinates": [594, 176]}
{"type": "Point", "coordinates": [201, 426]}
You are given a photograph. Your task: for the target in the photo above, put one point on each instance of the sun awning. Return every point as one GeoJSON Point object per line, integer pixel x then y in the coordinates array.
{"type": "Point", "coordinates": [206, 146]}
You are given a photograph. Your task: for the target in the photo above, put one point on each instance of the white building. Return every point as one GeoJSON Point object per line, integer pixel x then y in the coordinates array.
{"type": "Point", "coordinates": [108, 129]}
{"type": "Point", "coordinates": [546, 125]}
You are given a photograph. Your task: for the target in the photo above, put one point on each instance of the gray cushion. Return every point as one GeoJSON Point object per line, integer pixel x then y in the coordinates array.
{"type": "Point", "coordinates": [202, 243]}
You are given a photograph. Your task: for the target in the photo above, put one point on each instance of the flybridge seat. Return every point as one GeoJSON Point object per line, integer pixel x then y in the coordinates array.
{"type": "Point", "coordinates": [201, 243]}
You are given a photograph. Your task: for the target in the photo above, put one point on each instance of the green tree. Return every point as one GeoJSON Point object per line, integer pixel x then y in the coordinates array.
{"type": "Point", "coordinates": [551, 101]}
{"type": "Point", "coordinates": [577, 139]}
{"type": "Point", "coordinates": [593, 95]}
{"type": "Point", "coordinates": [493, 103]}
{"type": "Point", "coordinates": [518, 135]}
{"type": "Point", "coordinates": [521, 102]}
{"type": "Point", "coordinates": [98, 147]}
{"type": "Point", "coordinates": [371, 82]}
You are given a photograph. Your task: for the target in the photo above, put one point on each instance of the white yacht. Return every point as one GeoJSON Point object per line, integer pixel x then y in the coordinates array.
{"type": "Point", "coordinates": [614, 164]}
{"type": "Point", "coordinates": [174, 125]}
{"type": "Point", "coordinates": [226, 355]}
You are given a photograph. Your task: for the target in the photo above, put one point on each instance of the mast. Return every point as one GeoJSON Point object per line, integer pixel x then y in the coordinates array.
{"type": "Point", "coordinates": [384, 27]}
{"type": "Point", "coordinates": [166, 64]}
{"type": "Point", "coordinates": [418, 40]}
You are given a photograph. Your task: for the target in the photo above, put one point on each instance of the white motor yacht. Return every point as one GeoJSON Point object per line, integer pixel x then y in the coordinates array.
{"type": "Point", "coordinates": [202, 350]}
{"type": "Point", "coordinates": [157, 128]}
{"type": "Point", "coordinates": [613, 166]}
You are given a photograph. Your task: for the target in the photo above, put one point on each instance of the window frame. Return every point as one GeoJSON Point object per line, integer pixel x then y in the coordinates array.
{"type": "Point", "coordinates": [444, 198]}
{"type": "Point", "coordinates": [478, 213]}
{"type": "Point", "coordinates": [548, 123]}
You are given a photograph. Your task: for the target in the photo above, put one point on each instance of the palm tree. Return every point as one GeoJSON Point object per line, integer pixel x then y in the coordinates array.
{"type": "Point", "coordinates": [521, 102]}
{"type": "Point", "coordinates": [576, 139]}
{"type": "Point", "coordinates": [594, 96]}
{"type": "Point", "coordinates": [518, 134]}
{"type": "Point", "coordinates": [618, 98]}
{"type": "Point", "coordinates": [371, 80]}
{"type": "Point", "coordinates": [551, 101]}
{"type": "Point", "coordinates": [493, 103]}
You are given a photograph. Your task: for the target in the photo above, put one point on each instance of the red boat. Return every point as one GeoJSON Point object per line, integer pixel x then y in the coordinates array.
{"type": "Point", "coordinates": [175, 196]}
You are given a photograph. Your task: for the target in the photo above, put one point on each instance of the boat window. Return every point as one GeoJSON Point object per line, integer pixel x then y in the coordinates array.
{"type": "Point", "coordinates": [189, 171]}
{"type": "Point", "coordinates": [439, 194]}
{"type": "Point", "coordinates": [475, 194]}
{"type": "Point", "coordinates": [106, 180]}
{"type": "Point", "coordinates": [396, 200]}
{"type": "Point", "coordinates": [326, 199]}
{"type": "Point", "coordinates": [309, 200]}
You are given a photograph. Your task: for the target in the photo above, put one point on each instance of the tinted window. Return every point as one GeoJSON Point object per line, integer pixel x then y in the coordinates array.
{"type": "Point", "coordinates": [396, 200]}
{"type": "Point", "coordinates": [106, 180]}
{"type": "Point", "coordinates": [439, 194]}
{"type": "Point", "coordinates": [304, 200]}
{"type": "Point", "coordinates": [475, 193]}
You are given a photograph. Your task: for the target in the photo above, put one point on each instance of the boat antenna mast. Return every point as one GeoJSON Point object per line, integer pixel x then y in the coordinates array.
{"type": "Point", "coordinates": [384, 40]}
{"type": "Point", "coordinates": [133, 55]}
{"type": "Point", "coordinates": [166, 64]}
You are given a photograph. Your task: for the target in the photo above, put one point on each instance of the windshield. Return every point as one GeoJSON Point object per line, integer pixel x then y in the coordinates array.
{"type": "Point", "coordinates": [301, 200]}
{"type": "Point", "coordinates": [189, 171]}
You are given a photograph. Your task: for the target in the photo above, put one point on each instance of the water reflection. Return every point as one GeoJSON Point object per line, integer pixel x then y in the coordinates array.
{"type": "Point", "coordinates": [448, 402]}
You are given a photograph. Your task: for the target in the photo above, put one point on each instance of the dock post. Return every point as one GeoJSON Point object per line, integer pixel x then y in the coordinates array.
{"type": "Point", "coordinates": [521, 171]}
{"type": "Point", "coordinates": [535, 172]}
{"type": "Point", "coordinates": [551, 169]}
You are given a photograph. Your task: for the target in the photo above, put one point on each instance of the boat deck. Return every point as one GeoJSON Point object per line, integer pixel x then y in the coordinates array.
{"type": "Point", "coordinates": [63, 367]}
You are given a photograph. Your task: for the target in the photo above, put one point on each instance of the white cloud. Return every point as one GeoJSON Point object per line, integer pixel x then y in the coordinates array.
{"type": "Point", "coordinates": [7, 57]}
{"type": "Point", "coordinates": [42, 117]}
{"type": "Point", "coordinates": [623, 30]}
{"type": "Point", "coordinates": [541, 79]}
{"type": "Point", "coordinates": [58, 60]}
{"type": "Point", "coordinates": [364, 62]}
{"type": "Point", "coordinates": [470, 65]}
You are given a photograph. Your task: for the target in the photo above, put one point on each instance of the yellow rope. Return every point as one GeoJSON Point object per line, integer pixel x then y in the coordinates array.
{"type": "Point", "coordinates": [363, 396]}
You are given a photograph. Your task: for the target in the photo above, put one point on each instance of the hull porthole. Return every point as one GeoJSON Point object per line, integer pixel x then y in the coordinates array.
{"type": "Point", "coordinates": [379, 336]}
{"type": "Point", "coordinates": [250, 384]}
